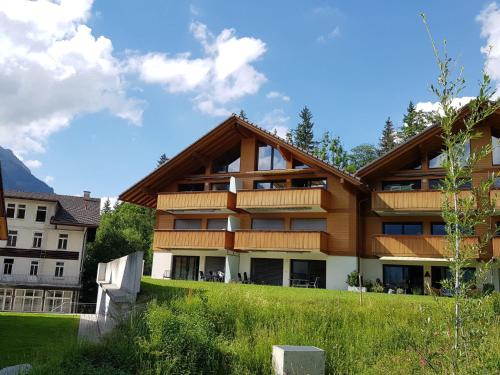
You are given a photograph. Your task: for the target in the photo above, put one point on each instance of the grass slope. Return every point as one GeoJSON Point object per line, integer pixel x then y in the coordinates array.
{"type": "Point", "coordinates": [212, 328]}
{"type": "Point", "coordinates": [35, 338]}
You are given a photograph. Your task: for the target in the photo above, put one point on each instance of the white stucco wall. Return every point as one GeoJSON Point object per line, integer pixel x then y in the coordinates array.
{"type": "Point", "coordinates": [162, 261]}
{"type": "Point", "coordinates": [371, 269]}
{"type": "Point", "coordinates": [337, 269]}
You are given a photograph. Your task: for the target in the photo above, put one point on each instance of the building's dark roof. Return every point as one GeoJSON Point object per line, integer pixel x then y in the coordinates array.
{"type": "Point", "coordinates": [71, 210]}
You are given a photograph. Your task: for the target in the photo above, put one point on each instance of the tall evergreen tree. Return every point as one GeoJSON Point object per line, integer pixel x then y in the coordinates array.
{"type": "Point", "coordinates": [106, 209]}
{"type": "Point", "coordinates": [303, 136]}
{"type": "Point", "coordinates": [162, 160]}
{"type": "Point", "coordinates": [243, 115]}
{"type": "Point", "coordinates": [388, 139]}
{"type": "Point", "coordinates": [414, 122]}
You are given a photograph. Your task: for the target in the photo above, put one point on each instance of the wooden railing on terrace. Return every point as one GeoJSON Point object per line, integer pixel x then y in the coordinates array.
{"type": "Point", "coordinates": [292, 241]}
{"type": "Point", "coordinates": [193, 239]}
{"type": "Point", "coordinates": [292, 199]}
{"type": "Point", "coordinates": [196, 200]}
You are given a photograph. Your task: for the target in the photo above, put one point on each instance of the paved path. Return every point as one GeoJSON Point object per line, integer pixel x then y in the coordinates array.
{"type": "Point", "coordinates": [88, 330]}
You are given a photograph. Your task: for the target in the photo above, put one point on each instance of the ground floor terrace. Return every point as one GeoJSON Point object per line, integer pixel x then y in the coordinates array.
{"type": "Point", "coordinates": [396, 274]}
{"type": "Point", "coordinates": [22, 298]}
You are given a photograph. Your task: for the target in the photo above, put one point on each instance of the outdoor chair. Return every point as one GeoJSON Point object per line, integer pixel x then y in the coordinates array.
{"type": "Point", "coordinates": [220, 276]}
{"type": "Point", "coordinates": [210, 276]}
{"type": "Point", "coordinates": [240, 280]}
{"type": "Point", "coordinates": [202, 276]}
{"type": "Point", "coordinates": [246, 280]}
{"type": "Point", "coordinates": [314, 283]}
{"type": "Point", "coordinates": [167, 274]}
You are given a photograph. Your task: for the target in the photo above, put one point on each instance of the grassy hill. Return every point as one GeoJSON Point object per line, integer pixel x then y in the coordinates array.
{"type": "Point", "coordinates": [211, 328]}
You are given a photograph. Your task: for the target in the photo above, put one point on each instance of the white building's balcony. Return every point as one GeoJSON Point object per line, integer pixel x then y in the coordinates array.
{"type": "Point", "coordinates": [41, 280]}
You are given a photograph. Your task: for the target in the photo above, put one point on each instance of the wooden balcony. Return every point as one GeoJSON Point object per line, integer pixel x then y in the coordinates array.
{"type": "Point", "coordinates": [197, 202]}
{"type": "Point", "coordinates": [3, 228]}
{"type": "Point", "coordinates": [193, 239]}
{"type": "Point", "coordinates": [296, 241]}
{"type": "Point", "coordinates": [413, 246]}
{"type": "Point", "coordinates": [283, 200]}
{"type": "Point", "coordinates": [496, 247]}
{"type": "Point", "coordinates": [417, 202]}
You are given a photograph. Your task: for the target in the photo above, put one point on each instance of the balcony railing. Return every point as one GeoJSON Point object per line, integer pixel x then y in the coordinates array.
{"type": "Point", "coordinates": [417, 201]}
{"type": "Point", "coordinates": [290, 241]}
{"type": "Point", "coordinates": [414, 246]}
{"type": "Point", "coordinates": [193, 239]}
{"type": "Point", "coordinates": [283, 200]}
{"type": "Point", "coordinates": [41, 280]}
{"type": "Point", "coordinates": [197, 201]}
{"type": "Point", "coordinates": [496, 247]}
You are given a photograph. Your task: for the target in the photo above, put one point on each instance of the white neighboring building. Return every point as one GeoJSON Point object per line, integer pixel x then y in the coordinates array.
{"type": "Point", "coordinates": [41, 261]}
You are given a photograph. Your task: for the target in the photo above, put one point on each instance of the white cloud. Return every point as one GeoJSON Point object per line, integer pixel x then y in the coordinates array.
{"type": "Point", "coordinates": [335, 33]}
{"type": "Point", "coordinates": [33, 164]}
{"type": "Point", "coordinates": [48, 179]}
{"type": "Point", "coordinates": [194, 10]}
{"type": "Point", "coordinates": [277, 95]}
{"type": "Point", "coordinates": [276, 121]}
{"type": "Point", "coordinates": [490, 29]}
{"type": "Point", "coordinates": [436, 106]}
{"type": "Point", "coordinates": [222, 75]}
{"type": "Point", "coordinates": [52, 69]}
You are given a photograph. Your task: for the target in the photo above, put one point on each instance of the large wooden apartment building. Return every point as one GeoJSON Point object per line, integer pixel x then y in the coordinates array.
{"type": "Point", "coordinates": [243, 203]}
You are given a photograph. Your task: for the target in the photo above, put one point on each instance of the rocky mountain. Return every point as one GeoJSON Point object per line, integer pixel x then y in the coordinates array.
{"type": "Point", "coordinates": [17, 176]}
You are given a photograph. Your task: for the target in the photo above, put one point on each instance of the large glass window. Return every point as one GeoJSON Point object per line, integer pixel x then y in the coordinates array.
{"type": "Point", "coordinates": [187, 224]}
{"type": "Point", "coordinates": [268, 224]}
{"type": "Point", "coordinates": [269, 158]}
{"type": "Point", "coordinates": [281, 184]}
{"type": "Point", "coordinates": [401, 185]}
{"type": "Point", "coordinates": [438, 229]}
{"type": "Point", "coordinates": [309, 182]}
{"type": "Point", "coordinates": [309, 224]}
{"type": "Point", "coordinates": [217, 224]}
{"type": "Point", "coordinates": [310, 272]}
{"type": "Point", "coordinates": [437, 183]}
{"type": "Point", "coordinates": [495, 144]}
{"type": "Point", "coordinates": [219, 186]}
{"type": "Point", "coordinates": [191, 187]}
{"type": "Point", "coordinates": [185, 267]}
{"type": "Point", "coordinates": [299, 165]}
{"type": "Point", "coordinates": [408, 278]}
{"type": "Point", "coordinates": [441, 273]}
{"type": "Point", "coordinates": [436, 160]}
{"type": "Point", "coordinates": [402, 228]}
{"type": "Point", "coordinates": [229, 162]}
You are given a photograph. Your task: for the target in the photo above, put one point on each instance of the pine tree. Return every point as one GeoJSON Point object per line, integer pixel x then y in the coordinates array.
{"type": "Point", "coordinates": [414, 122]}
{"type": "Point", "coordinates": [303, 135]}
{"type": "Point", "coordinates": [162, 160]}
{"type": "Point", "coordinates": [243, 115]}
{"type": "Point", "coordinates": [388, 139]}
{"type": "Point", "coordinates": [106, 209]}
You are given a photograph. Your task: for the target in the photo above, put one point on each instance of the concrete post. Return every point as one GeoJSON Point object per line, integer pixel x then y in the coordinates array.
{"type": "Point", "coordinates": [232, 268]}
{"type": "Point", "coordinates": [298, 360]}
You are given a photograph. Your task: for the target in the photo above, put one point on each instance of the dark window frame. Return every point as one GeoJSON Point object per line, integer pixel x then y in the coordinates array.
{"type": "Point", "coordinates": [41, 211]}
{"type": "Point", "coordinates": [274, 150]}
{"type": "Point", "coordinates": [271, 182]}
{"type": "Point", "coordinates": [403, 224]}
{"type": "Point", "coordinates": [402, 182]}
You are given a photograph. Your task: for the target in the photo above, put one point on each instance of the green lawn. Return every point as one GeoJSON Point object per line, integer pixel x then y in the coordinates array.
{"type": "Point", "coordinates": [34, 338]}
{"type": "Point", "coordinates": [214, 328]}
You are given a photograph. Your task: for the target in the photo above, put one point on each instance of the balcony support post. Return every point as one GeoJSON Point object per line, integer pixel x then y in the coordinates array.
{"type": "Point", "coordinates": [232, 268]}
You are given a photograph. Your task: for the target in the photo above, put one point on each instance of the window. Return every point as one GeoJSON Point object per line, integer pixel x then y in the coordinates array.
{"type": "Point", "coordinates": [402, 228]}
{"type": "Point", "coordinates": [436, 183]}
{"type": "Point", "coordinates": [59, 272]}
{"type": "Point", "coordinates": [438, 229]}
{"type": "Point", "coordinates": [8, 263]}
{"type": "Point", "coordinates": [229, 162]}
{"type": "Point", "coordinates": [268, 224]}
{"type": "Point", "coordinates": [41, 213]}
{"type": "Point", "coordinates": [12, 238]}
{"type": "Point", "coordinates": [495, 144]}
{"type": "Point", "coordinates": [269, 158]}
{"type": "Point", "coordinates": [21, 211]}
{"type": "Point", "coordinates": [415, 165]}
{"type": "Point", "coordinates": [309, 182]}
{"type": "Point", "coordinates": [62, 243]}
{"type": "Point", "coordinates": [270, 184]}
{"type": "Point", "coordinates": [58, 301]}
{"type": "Point", "coordinates": [217, 224]}
{"type": "Point", "coordinates": [187, 224]}
{"type": "Point", "coordinates": [436, 160]}
{"type": "Point", "coordinates": [34, 268]}
{"type": "Point", "coordinates": [401, 185]}
{"type": "Point", "coordinates": [191, 187]}
{"type": "Point", "coordinates": [408, 278]}
{"type": "Point", "coordinates": [309, 224]}
{"type": "Point", "coordinates": [11, 209]}
{"type": "Point", "coordinates": [37, 240]}
{"type": "Point", "coordinates": [220, 186]}
{"type": "Point", "coordinates": [441, 273]}
{"type": "Point", "coordinates": [299, 165]}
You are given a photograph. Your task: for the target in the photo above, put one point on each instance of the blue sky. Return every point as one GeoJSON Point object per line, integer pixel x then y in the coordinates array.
{"type": "Point", "coordinates": [354, 63]}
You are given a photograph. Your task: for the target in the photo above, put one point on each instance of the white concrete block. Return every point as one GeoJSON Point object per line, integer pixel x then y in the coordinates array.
{"type": "Point", "coordinates": [298, 360]}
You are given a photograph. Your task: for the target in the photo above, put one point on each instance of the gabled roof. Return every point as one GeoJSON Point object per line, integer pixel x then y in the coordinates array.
{"type": "Point", "coordinates": [144, 191]}
{"type": "Point", "coordinates": [70, 210]}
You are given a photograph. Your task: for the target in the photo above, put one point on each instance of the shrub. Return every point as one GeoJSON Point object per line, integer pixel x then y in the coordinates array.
{"type": "Point", "coordinates": [353, 279]}
{"type": "Point", "coordinates": [488, 288]}
{"type": "Point", "coordinates": [377, 288]}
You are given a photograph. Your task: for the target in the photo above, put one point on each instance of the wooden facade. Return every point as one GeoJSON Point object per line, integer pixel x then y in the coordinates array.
{"type": "Point", "coordinates": [216, 201]}
{"type": "Point", "coordinates": [193, 239]}
{"type": "Point", "coordinates": [297, 241]}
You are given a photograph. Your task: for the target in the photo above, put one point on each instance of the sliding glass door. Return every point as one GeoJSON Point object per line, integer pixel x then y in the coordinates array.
{"type": "Point", "coordinates": [185, 267]}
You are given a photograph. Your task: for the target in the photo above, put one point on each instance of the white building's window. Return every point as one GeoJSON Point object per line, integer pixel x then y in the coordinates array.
{"type": "Point", "coordinates": [41, 214]}
{"type": "Point", "coordinates": [21, 211]}
{"type": "Point", "coordinates": [11, 210]}
{"type": "Point", "coordinates": [28, 300]}
{"type": "Point", "coordinates": [37, 240]}
{"type": "Point", "coordinates": [34, 268]}
{"type": "Point", "coordinates": [62, 243]}
{"type": "Point", "coordinates": [6, 299]}
{"type": "Point", "coordinates": [8, 263]}
{"type": "Point", "coordinates": [59, 269]}
{"type": "Point", "coordinates": [58, 301]}
{"type": "Point", "coordinates": [12, 238]}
